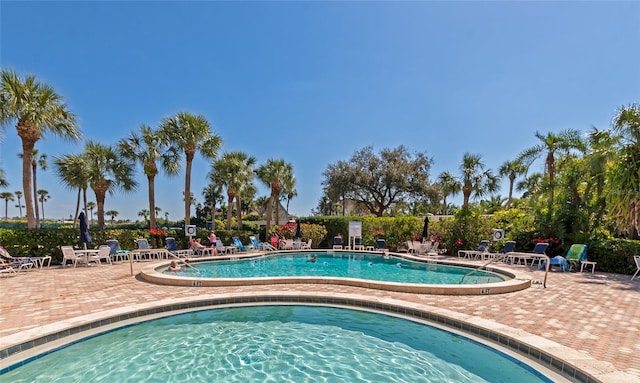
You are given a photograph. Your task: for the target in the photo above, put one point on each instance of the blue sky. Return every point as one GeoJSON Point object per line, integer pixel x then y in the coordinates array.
{"type": "Point", "coordinates": [312, 82]}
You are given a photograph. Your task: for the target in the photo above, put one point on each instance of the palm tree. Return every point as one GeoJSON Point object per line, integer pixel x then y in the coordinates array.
{"type": "Point", "coordinates": [289, 191]}
{"type": "Point", "coordinates": [144, 213]}
{"type": "Point", "coordinates": [511, 169]}
{"type": "Point", "coordinates": [166, 217]}
{"type": "Point", "coordinates": [91, 205]}
{"type": "Point", "coordinates": [234, 170]}
{"type": "Point", "coordinates": [551, 144]}
{"type": "Point", "coordinates": [475, 180]}
{"type": "Point", "coordinates": [108, 172]}
{"type": "Point", "coordinates": [148, 147]}
{"type": "Point", "coordinates": [3, 181]}
{"type": "Point", "coordinates": [35, 161]}
{"type": "Point", "coordinates": [6, 196]}
{"type": "Point", "coordinates": [212, 193]}
{"type": "Point", "coordinates": [623, 199]}
{"type": "Point", "coordinates": [449, 185]}
{"type": "Point", "coordinates": [273, 174]}
{"type": "Point", "coordinates": [73, 170]}
{"type": "Point", "coordinates": [113, 214]}
{"type": "Point", "coordinates": [18, 195]}
{"type": "Point", "coordinates": [37, 109]}
{"type": "Point", "coordinates": [191, 134]}
{"type": "Point", "coordinates": [43, 196]}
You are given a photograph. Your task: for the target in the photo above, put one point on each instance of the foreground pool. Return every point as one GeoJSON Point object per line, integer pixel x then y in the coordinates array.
{"type": "Point", "coordinates": [279, 344]}
{"type": "Point", "coordinates": [341, 265]}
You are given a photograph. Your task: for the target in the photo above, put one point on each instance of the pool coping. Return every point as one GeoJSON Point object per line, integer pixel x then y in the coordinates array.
{"type": "Point", "coordinates": [20, 348]}
{"type": "Point", "coordinates": [516, 282]}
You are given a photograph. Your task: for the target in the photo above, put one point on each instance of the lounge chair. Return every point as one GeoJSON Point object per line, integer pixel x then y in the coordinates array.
{"type": "Point", "coordinates": [537, 254]}
{"type": "Point", "coordinates": [222, 249]}
{"type": "Point", "coordinates": [576, 254]}
{"type": "Point", "coordinates": [307, 245]}
{"type": "Point", "coordinates": [636, 258]}
{"type": "Point", "coordinates": [472, 254]}
{"type": "Point", "coordinates": [6, 269]}
{"type": "Point", "coordinates": [337, 242]}
{"type": "Point", "coordinates": [260, 245]}
{"type": "Point", "coordinates": [381, 244]}
{"type": "Point", "coordinates": [238, 244]}
{"type": "Point", "coordinates": [20, 263]}
{"type": "Point", "coordinates": [172, 247]}
{"type": "Point", "coordinates": [434, 249]}
{"type": "Point", "coordinates": [116, 253]}
{"type": "Point", "coordinates": [508, 247]}
{"type": "Point", "coordinates": [286, 244]}
{"type": "Point", "coordinates": [357, 243]}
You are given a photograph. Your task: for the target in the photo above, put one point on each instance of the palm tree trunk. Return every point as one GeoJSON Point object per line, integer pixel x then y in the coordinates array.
{"type": "Point", "coordinates": [239, 212]}
{"type": "Point", "coordinates": [187, 192]}
{"type": "Point", "coordinates": [42, 202]}
{"type": "Point", "coordinates": [100, 197]}
{"type": "Point", "coordinates": [229, 210]}
{"type": "Point", "coordinates": [268, 213]}
{"type": "Point", "coordinates": [27, 152]}
{"type": "Point", "coordinates": [152, 203]}
{"type": "Point", "coordinates": [512, 179]}
{"type": "Point", "coordinates": [34, 166]}
{"type": "Point", "coordinates": [75, 216]}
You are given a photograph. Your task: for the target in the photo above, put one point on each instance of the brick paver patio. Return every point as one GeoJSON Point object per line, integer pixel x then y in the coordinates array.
{"type": "Point", "coordinates": [596, 314]}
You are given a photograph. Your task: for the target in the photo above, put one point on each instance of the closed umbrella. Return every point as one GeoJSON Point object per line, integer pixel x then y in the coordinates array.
{"type": "Point", "coordinates": [84, 230]}
{"type": "Point", "coordinates": [425, 228]}
{"type": "Point", "coordinates": [298, 230]}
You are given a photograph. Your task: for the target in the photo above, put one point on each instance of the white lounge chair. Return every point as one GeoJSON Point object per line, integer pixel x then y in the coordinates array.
{"type": "Point", "coordinates": [636, 258]}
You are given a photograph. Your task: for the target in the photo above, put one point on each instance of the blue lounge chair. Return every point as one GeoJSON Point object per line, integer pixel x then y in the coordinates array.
{"type": "Point", "coordinates": [238, 244]}
{"type": "Point", "coordinates": [536, 255]}
{"type": "Point", "coordinates": [472, 254]}
{"type": "Point", "coordinates": [172, 246]}
{"type": "Point", "coordinates": [260, 245]}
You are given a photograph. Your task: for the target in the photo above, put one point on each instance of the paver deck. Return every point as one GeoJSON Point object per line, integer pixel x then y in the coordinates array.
{"type": "Point", "coordinates": [596, 314]}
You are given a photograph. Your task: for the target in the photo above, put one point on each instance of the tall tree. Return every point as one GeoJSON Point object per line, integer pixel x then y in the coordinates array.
{"type": "Point", "coordinates": [108, 172]}
{"type": "Point", "coordinates": [144, 213]}
{"type": "Point", "coordinates": [552, 144]}
{"type": "Point", "coordinates": [18, 195]}
{"type": "Point", "coordinates": [91, 205]}
{"type": "Point", "coordinates": [449, 185]}
{"type": "Point", "coordinates": [511, 170]}
{"type": "Point", "coordinates": [191, 134]}
{"type": "Point", "coordinates": [35, 161]}
{"type": "Point", "coordinates": [380, 181]}
{"type": "Point", "coordinates": [212, 194]}
{"type": "Point", "coordinates": [289, 191]}
{"type": "Point", "coordinates": [6, 196]}
{"type": "Point", "coordinates": [43, 196]}
{"type": "Point", "coordinates": [148, 147]}
{"type": "Point", "coordinates": [476, 181]}
{"type": "Point", "coordinates": [272, 174]}
{"type": "Point", "coordinates": [113, 214]}
{"type": "Point", "coordinates": [36, 109]}
{"type": "Point", "coordinates": [623, 198]}
{"type": "Point", "coordinates": [234, 170]}
{"type": "Point", "coordinates": [73, 170]}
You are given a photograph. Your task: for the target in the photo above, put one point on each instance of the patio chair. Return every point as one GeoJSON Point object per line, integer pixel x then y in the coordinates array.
{"type": "Point", "coordinates": [238, 244]}
{"type": "Point", "coordinates": [337, 242]}
{"type": "Point", "coordinates": [260, 245]}
{"type": "Point", "coordinates": [6, 269]}
{"type": "Point", "coordinates": [537, 254]}
{"type": "Point", "coordinates": [222, 249]}
{"type": "Point", "coordinates": [116, 253]}
{"type": "Point", "coordinates": [172, 247]}
{"type": "Point", "coordinates": [576, 254]}
{"type": "Point", "coordinates": [104, 252]}
{"type": "Point", "coordinates": [636, 258]}
{"type": "Point", "coordinates": [307, 246]}
{"type": "Point", "coordinates": [508, 247]}
{"type": "Point", "coordinates": [472, 254]}
{"type": "Point", "coordinates": [70, 255]}
{"type": "Point", "coordinates": [286, 244]}
{"type": "Point", "coordinates": [21, 263]}
{"type": "Point", "coordinates": [357, 243]}
{"type": "Point", "coordinates": [434, 249]}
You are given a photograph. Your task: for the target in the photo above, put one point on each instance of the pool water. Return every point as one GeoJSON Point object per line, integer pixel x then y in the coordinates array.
{"type": "Point", "coordinates": [276, 344]}
{"type": "Point", "coordinates": [343, 265]}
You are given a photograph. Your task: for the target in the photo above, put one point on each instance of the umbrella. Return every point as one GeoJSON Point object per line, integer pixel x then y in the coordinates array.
{"type": "Point", "coordinates": [298, 231]}
{"type": "Point", "coordinates": [84, 230]}
{"type": "Point", "coordinates": [425, 229]}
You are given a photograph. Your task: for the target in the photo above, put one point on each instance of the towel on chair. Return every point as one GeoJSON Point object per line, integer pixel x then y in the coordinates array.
{"type": "Point", "coordinates": [558, 260]}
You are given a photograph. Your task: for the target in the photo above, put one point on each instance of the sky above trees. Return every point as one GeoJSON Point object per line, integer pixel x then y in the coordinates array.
{"type": "Point", "coordinates": [312, 83]}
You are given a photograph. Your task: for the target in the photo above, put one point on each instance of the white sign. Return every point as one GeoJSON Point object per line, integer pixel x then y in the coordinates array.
{"type": "Point", "coordinates": [498, 234]}
{"type": "Point", "coordinates": [190, 230]}
{"type": "Point", "coordinates": [355, 229]}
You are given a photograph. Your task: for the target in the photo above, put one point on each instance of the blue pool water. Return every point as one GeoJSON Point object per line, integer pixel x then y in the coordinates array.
{"type": "Point", "coordinates": [276, 344]}
{"type": "Point", "coordinates": [343, 265]}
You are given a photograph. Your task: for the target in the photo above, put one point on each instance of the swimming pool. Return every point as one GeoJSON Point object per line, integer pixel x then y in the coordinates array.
{"type": "Point", "coordinates": [276, 343]}
{"type": "Point", "coordinates": [370, 270]}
